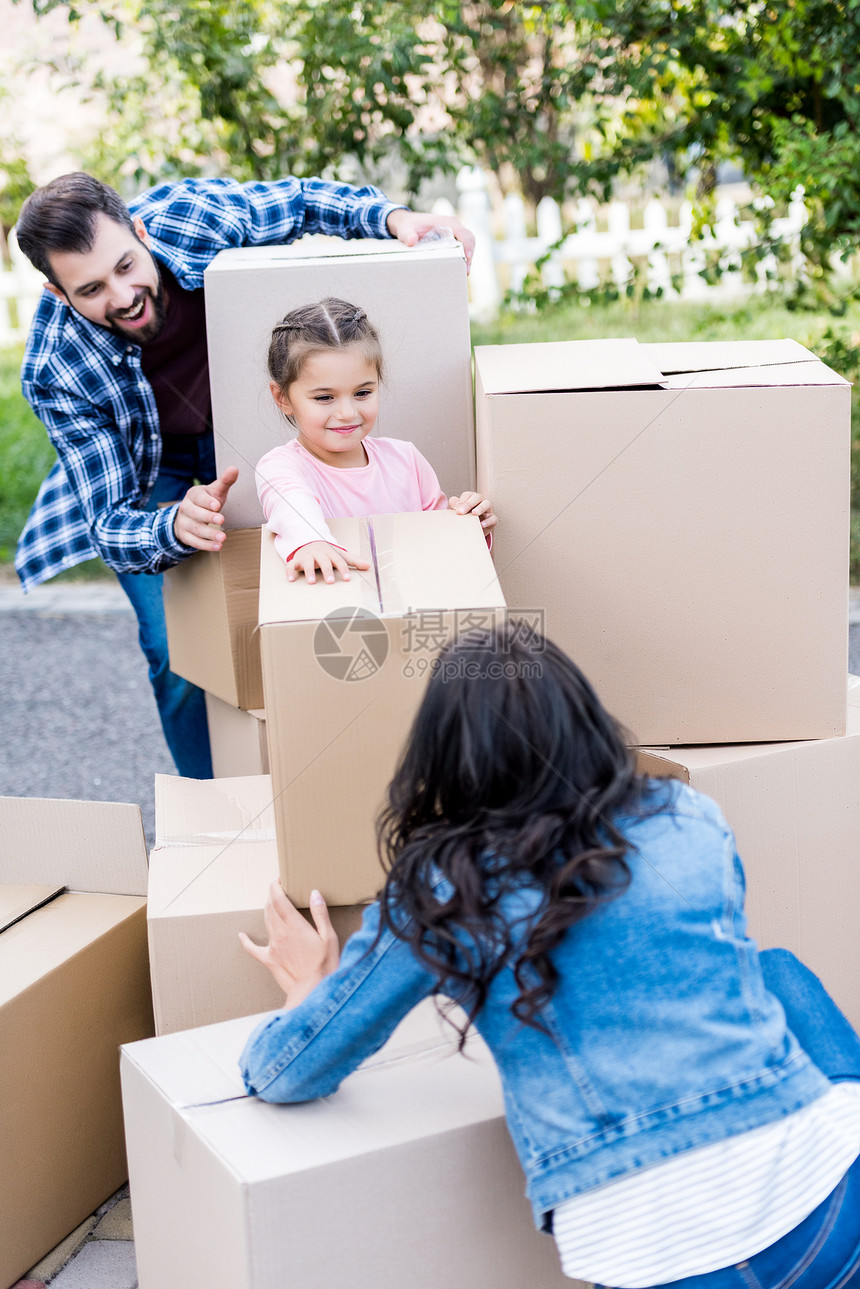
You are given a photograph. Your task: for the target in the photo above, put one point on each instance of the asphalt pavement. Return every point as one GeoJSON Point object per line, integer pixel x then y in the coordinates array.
{"type": "Point", "coordinates": [79, 716]}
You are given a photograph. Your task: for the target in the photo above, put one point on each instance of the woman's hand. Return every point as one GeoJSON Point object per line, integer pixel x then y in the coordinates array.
{"type": "Point", "coordinates": [327, 558]}
{"type": "Point", "coordinates": [472, 503]}
{"type": "Point", "coordinates": [297, 955]}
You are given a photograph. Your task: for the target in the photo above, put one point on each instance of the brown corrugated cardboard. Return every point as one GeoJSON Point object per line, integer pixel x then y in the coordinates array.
{"type": "Point", "coordinates": [87, 845]}
{"type": "Point", "coordinates": [74, 985]}
{"type": "Point", "coordinates": [406, 1176]}
{"type": "Point", "coordinates": [209, 874]}
{"type": "Point", "coordinates": [344, 668]}
{"type": "Point", "coordinates": [795, 810]}
{"type": "Point", "coordinates": [237, 739]}
{"type": "Point", "coordinates": [688, 542]}
{"type": "Point", "coordinates": [416, 299]}
{"type": "Point", "coordinates": [210, 605]}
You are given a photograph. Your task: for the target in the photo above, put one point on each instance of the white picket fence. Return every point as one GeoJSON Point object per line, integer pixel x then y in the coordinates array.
{"type": "Point", "coordinates": [604, 246]}
{"type": "Point", "coordinates": [602, 249]}
{"type": "Point", "coordinates": [20, 289]}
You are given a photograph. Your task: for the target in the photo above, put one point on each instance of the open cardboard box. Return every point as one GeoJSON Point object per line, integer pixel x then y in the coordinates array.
{"type": "Point", "coordinates": [214, 859]}
{"type": "Point", "coordinates": [415, 297]}
{"type": "Point", "coordinates": [74, 985]}
{"type": "Point", "coordinates": [345, 666]}
{"type": "Point", "coordinates": [795, 811]}
{"type": "Point", "coordinates": [680, 513]}
{"type": "Point", "coordinates": [406, 1176]}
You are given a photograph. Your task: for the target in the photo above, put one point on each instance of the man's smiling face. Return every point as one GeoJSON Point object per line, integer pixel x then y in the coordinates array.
{"type": "Point", "coordinates": [115, 284]}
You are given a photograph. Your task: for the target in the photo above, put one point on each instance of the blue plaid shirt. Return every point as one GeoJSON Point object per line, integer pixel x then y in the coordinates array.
{"type": "Point", "coordinates": [87, 387]}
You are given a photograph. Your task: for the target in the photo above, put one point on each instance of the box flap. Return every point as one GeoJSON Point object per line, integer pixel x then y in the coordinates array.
{"type": "Point", "coordinates": [433, 560]}
{"type": "Point", "coordinates": [566, 364]}
{"type": "Point", "coordinates": [427, 560]}
{"type": "Point", "coordinates": [715, 355]}
{"type": "Point", "coordinates": [96, 846]}
{"type": "Point", "coordinates": [55, 932]}
{"type": "Point", "coordinates": [191, 812]}
{"type": "Point", "coordinates": [211, 878]}
{"type": "Point", "coordinates": [18, 899]}
{"type": "Point", "coordinates": [814, 373]}
{"type": "Point", "coordinates": [303, 601]}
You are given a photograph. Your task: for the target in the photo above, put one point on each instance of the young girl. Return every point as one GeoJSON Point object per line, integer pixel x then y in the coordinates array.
{"type": "Point", "coordinates": [686, 1110]}
{"type": "Point", "coordinates": [325, 364]}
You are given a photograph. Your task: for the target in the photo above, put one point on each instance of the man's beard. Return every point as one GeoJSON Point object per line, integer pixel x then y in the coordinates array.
{"type": "Point", "coordinates": [141, 335]}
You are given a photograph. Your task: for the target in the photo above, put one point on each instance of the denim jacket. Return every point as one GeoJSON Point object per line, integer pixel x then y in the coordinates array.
{"type": "Point", "coordinates": [661, 1036]}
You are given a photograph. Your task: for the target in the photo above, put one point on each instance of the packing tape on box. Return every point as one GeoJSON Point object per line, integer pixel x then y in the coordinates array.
{"type": "Point", "coordinates": [380, 531]}
{"type": "Point", "coordinates": [216, 838]}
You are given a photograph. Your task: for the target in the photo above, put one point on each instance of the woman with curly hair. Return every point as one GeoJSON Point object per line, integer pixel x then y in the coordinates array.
{"type": "Point", "coordinates": [686, 1109]}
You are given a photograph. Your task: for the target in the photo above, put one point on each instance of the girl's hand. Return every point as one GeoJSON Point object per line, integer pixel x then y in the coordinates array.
{"type": "Point", "coordinates": [298, 956]}
{"type": "Point", "coordinates": [327, 558]}
{"type": "Point", "coordinates": [472, 503]}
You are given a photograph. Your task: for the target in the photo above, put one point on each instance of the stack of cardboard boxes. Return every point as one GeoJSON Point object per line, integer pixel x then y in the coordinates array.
{"type": "Point", "coordinates": [680, 514]}
{"type": "Point", "coordinates": [74, 985]}
{"type": "Point", "coordinates": [310, 688]}
{"type": "Point", "coordinates": [676, 517]}
{"type": "Point", "coordinates": [410, 1175]}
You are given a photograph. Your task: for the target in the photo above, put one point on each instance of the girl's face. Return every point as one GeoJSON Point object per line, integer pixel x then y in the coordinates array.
{"type": "Point", "coordinates": [334, 404]}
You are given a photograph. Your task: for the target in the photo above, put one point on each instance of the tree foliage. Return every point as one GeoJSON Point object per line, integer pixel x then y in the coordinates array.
{"type": "Point", "coordinates": [555, 98]}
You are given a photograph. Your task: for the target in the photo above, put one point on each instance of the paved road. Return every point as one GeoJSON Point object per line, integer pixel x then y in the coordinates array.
{"type": "Point", "coordinates": [79, 717]}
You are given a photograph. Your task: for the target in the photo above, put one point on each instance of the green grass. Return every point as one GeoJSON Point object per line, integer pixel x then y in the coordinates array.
{"type": "Point", "coordinates": [27, 456]}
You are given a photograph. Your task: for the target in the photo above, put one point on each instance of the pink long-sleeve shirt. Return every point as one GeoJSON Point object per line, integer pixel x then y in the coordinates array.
{"type": "Point", "coordinates": [298, 492]}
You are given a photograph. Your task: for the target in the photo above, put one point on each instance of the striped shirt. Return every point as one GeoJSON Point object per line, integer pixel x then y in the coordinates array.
{"type": "Point", "coordinates": [713, 1206]}
{"type": "Point", "coordinates": [87, 387]}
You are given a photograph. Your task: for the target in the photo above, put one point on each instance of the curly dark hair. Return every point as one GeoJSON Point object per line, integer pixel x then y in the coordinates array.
{"type": "Point", "coordinates": [512, 774]}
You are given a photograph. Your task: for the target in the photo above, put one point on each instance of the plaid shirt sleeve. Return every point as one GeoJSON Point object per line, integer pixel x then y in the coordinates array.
{"type": "Point", "coordinates": [95, 458]}
{"type": "Point", "coordinates": [192, 221]}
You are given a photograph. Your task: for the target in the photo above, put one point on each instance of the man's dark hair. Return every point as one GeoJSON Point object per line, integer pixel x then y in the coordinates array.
{"type": "Point", "coordinates": [61, 216]}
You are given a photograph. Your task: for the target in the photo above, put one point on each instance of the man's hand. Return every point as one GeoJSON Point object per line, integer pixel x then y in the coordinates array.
{"type": "Point", "coordinates": [297, 955]}
{"type": "Point", "coordinates": [409, 226]}
{"type": "Point", "coordinates": [472, 503]}
{"type": "Point", "coordinates": [326, 558]}
{"type": "Point", "coordinates": [198, 521]}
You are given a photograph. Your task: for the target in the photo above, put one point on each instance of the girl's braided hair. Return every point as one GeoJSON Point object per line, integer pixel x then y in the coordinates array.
{"type": "Point", "coordinates": [331, 324]}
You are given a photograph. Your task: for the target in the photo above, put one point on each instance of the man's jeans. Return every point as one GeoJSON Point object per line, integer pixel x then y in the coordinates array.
{"type": "Point", "coordinates": [181, 705]}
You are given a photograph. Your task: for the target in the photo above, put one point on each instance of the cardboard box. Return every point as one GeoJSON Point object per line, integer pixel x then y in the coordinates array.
{"type": "Point", "coordinates": [406, 1176]}
{"type": "Point", "coordinates": [210, 606]}
{"type": "Point", "coordinates": [686, 535]}
{"type": "Point", "coordinates": [417, 300]}
{"type": "Point", "coordinates": [237, 739]}
{"type": "Point", "coordinates": [344, 670]}
{"type": "Point", "coordinates": [74, 985]}
{"type": "Point", "coordinates": [214, 859]}
{"type": "Point", "coordinates": [795, 810]}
